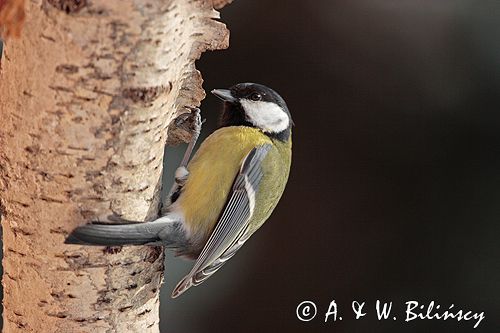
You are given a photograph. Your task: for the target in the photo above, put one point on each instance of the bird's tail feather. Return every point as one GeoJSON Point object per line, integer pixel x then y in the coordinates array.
{"type": "Point", "coordinates": [138, 233]}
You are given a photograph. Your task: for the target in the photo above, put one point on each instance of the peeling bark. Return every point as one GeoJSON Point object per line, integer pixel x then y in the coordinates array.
{"type": "Point", "coordinates": [86, 97]}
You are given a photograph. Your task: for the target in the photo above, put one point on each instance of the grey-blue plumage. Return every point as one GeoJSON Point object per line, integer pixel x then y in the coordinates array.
{"type": "Point", "coordinates": [164, 231]}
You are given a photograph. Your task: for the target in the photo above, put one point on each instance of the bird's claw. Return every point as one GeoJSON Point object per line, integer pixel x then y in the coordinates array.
{"type": "Point", "coordinates": [181, 176]}
{"type": "Point", "coordinates": [189, 122]}
{"type": "Point", "coordinates": [197, 122]}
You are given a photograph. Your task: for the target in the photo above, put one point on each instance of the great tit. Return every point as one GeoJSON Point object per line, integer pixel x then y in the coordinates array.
{"type": "Point", "coordinates": [227, 191]}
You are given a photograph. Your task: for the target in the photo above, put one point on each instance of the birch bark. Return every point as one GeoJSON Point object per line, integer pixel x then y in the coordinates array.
{"type": "Point", "coordinates": [86, 97]}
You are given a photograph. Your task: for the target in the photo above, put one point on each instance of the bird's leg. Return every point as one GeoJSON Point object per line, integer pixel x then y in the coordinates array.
{"type": "Point", "coordinates": [196, 128]}
{"type": "Point", "coordinates": [181, 173]}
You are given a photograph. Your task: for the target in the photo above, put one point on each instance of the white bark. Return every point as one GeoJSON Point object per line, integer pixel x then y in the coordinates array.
{"type": "Point", "coordinates": [86, 97]}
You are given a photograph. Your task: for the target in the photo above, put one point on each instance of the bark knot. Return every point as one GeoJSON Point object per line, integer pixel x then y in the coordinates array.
{"type": "Point", "coordinates": [145, 94]}
{"type": "Point", "coordinates": [68, 6]}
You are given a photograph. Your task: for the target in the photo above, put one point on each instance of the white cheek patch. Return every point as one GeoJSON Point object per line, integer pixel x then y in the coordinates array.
{"type": "Point", "coordinates": [266, 115]}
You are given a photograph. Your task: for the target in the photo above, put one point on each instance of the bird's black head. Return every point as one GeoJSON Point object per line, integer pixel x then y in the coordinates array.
{"type": "Point", "coordinates": [255, 105]}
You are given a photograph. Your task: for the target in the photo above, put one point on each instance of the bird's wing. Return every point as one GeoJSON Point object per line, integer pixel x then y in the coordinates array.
{"type": "Point", "coordinates": [232, 229]}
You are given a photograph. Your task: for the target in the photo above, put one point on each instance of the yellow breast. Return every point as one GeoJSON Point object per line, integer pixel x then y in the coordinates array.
{"type": "Point", "coordinates": [211, 174]}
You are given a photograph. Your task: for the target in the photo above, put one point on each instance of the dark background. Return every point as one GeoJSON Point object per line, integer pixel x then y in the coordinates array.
{"type": "Point", "coordinates": [394, 190]}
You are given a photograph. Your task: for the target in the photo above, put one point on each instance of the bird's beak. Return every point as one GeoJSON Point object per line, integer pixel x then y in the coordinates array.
{"type": "Point", "coordinates": [225, 95]}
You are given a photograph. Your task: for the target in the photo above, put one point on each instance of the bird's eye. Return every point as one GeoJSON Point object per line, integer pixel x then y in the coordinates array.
{"type": "Point", "coordinates": [255, 97]}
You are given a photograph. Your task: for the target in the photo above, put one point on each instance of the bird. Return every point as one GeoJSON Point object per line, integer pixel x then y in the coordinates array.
{"type": "Point", "coordinates": [226, 191]}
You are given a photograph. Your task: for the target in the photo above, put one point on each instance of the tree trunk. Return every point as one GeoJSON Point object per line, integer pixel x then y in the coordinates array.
{"type": "Point", "coordinates": [86, 97]}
